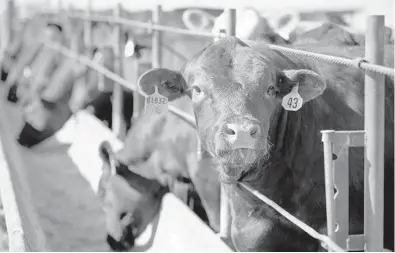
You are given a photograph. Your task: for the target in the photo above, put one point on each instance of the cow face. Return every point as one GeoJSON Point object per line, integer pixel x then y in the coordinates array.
{"type": "Point", "coordinates": [129, 200]}
{"type": "Point", "coordinates": [42, 120]}
{"type": "Point", "coordinates": [235, 91]}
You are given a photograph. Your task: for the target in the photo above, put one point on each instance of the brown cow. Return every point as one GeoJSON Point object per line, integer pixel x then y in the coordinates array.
{"type": "Point", "coordinates": [236, 91]}
{"type": "Point", "coordinates": [156, 155]}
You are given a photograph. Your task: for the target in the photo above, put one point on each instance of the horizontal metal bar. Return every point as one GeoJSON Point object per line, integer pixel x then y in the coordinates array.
{"type": "Point", "coordinates": [350, 138]}
{"type": "Point", "coordinates": [128, 22]}
{"type": "Point", "coordinates": [116, 78]}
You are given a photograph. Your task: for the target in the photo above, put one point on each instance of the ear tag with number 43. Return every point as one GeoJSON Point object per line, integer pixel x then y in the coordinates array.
{"type": "Point", "coordinates": [156, 103]}
{"type": "Point", "coordinates": [292, 101]}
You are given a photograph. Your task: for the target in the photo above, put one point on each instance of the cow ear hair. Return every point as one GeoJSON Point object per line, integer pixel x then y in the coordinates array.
{"type": "Point", "coordinates": [170, 83]}
{"type": "Point", "coordinates": [311, 84]}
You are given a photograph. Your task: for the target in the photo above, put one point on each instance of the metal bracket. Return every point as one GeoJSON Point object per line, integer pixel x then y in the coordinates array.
{"type": "Point", "coordinates": [336, 155]}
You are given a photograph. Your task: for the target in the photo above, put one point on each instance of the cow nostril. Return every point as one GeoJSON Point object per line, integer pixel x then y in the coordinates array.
{"type": "Point", "coordinates": [254, 132]}
{"type": "Point", "coordinates": [228, 130]}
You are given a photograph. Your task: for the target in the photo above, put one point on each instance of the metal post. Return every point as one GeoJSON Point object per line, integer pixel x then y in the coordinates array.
{"type": "Point", "coordinates": [118, 125]}
{"type": "Point", "coordinates": [225, 221]}
{"type": "Point", "coordinates": [156, 38]}
{"type": "Point", "coordinates": [374, 127]}
{"type": "Point", "coordinates": [138, 100]}
{"type": "Point", "coordinates": [88, 30]}
{"type": "Point", "coordinates": [6, 31]}
{"type": "Point", "coordinates": [329, 190]}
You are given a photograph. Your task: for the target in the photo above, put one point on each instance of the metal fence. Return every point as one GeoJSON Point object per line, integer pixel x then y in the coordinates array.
{"type": "Point", "coordinates": [373, 134]}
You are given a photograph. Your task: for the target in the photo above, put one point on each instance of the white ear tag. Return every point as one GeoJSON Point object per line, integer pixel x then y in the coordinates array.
{"type": "Point", "coordinates": [292, 101]}
{"type": "Point", "coordinates": [156, 103]}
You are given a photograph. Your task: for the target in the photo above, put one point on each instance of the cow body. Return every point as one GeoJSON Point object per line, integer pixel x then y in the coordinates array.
{"type": "Point", "coordinates": [236, 91]}
{"type": "Point", "coordinates": [156, 153]}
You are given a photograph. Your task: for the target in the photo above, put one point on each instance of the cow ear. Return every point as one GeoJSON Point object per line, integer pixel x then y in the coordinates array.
{"type": "Point", "coordinates": [311, 85]}
{"type": "Point", "coordinates": [170, 83]}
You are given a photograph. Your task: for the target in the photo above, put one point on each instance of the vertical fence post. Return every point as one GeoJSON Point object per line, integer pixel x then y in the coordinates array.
{"type": "Point", "coordinates": [225, 223]}
{"type": "Point", "coordinates": [118, 125]}
{"type": "Point", "coordinates": [7, 22]}
{"type": "Point", "coordinates": [88, 30]}
{"type": "Point", "coordinates": [156, 38]}
{"type": "Point", "coordinates": [138, 100]}
{"type": "Point", "coordinates": [374, 127]}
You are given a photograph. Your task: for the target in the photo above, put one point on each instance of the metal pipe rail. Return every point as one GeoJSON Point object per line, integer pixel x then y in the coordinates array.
{"type": "Point", "coordinates": [306, 228]}
{"type": "Point", "coordinates": [128, 22]}
{"type": "Point", "coordinates": [358, 63]}
{"type": "Point", "coordinates": [116, 78]}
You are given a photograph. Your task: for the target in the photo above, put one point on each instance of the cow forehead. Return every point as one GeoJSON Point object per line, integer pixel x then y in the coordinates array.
{"type": "Point", "coordinates": [230, 64]}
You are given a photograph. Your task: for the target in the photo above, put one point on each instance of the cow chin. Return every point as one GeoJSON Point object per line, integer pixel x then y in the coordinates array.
{"type": "Point", "coordinates": [235, 163]}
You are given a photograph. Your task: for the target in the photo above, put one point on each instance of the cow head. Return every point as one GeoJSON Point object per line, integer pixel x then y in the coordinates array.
{"type": "Point", "coordinates": [129, 200]}
{"type": "Point", "coordinates": [42, 119]}
{"type": "Point", "coordinates": [235, 91]}
{"type": "Point", "coordinates": [46, 109]}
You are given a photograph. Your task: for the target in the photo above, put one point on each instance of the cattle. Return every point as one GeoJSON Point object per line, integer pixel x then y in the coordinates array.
{"type": "Point", "coordinates": [47, 111]}
{"type": "Point", "coordinates": [333, 34]}
{"type": "Point", "coordinates": [236, 91]}
{"type": "Point", "coordinates": [18, 52]}
{"type": "Point", "coordinates": [36, 64]}
{"type": "Point", "coordinates": [154, 156]}
{"type": "Point", "coordinates": [96, 92]}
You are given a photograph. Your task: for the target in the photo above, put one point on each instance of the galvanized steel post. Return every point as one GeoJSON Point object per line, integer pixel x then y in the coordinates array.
{"type": "Point", "coordinates": [118, 124]}
{"type": "Point", "coordinates": [88, 30]}
{"type": "Point", "coordinates": [156, 38]}
{"type": "Point", "coordinates": [7, 22]}
{"type": "Point", "coordinates": [374, 127]}
{"type": "Point", "coordinates": [329, 189]}
{"type": "Point", "coordinates": [138, 99]}
{"type": "Point", "coordinates": [226, 220]}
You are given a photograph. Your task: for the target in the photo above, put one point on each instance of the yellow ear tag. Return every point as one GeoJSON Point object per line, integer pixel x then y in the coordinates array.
{"type": "Point", "coordinates": [156, 103]}
{"type": "Point", "coordinates": [292, 101]}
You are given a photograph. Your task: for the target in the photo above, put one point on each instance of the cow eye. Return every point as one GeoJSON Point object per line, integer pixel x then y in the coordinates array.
{"type": "Point", "coordinates": [122, 215]}
{"type": "Point", "coordinates": [197, 89]}
{"type": "Point", "coordinates": [197, 93]}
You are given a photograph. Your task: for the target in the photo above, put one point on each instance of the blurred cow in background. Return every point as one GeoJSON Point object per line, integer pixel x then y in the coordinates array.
{"type": "Point", "coordinates": [159, 155]}
{"type": "Point", "coordinates": [96, 91]}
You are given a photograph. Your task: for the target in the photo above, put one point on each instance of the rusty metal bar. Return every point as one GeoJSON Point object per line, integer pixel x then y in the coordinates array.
{"type": "Point", "coordinates": [374, 126]}
{"type": "Point", "coordinates": [118, 124]}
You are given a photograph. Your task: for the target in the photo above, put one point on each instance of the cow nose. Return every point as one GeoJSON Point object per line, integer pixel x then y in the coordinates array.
{"type": "Point", "coordinates": [247, 129]}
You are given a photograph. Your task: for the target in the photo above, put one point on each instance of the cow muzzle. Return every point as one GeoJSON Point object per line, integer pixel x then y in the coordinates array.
{"type": "Point", "coordinates": [241, 135]}
{"type": "Point", "coordinates": [12, 94]}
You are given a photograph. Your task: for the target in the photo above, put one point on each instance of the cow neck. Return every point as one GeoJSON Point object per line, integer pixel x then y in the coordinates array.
{"type": "Point", "coordinates": [140, 183]}
{"type": "Point", "coordinates": [276, 172]}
